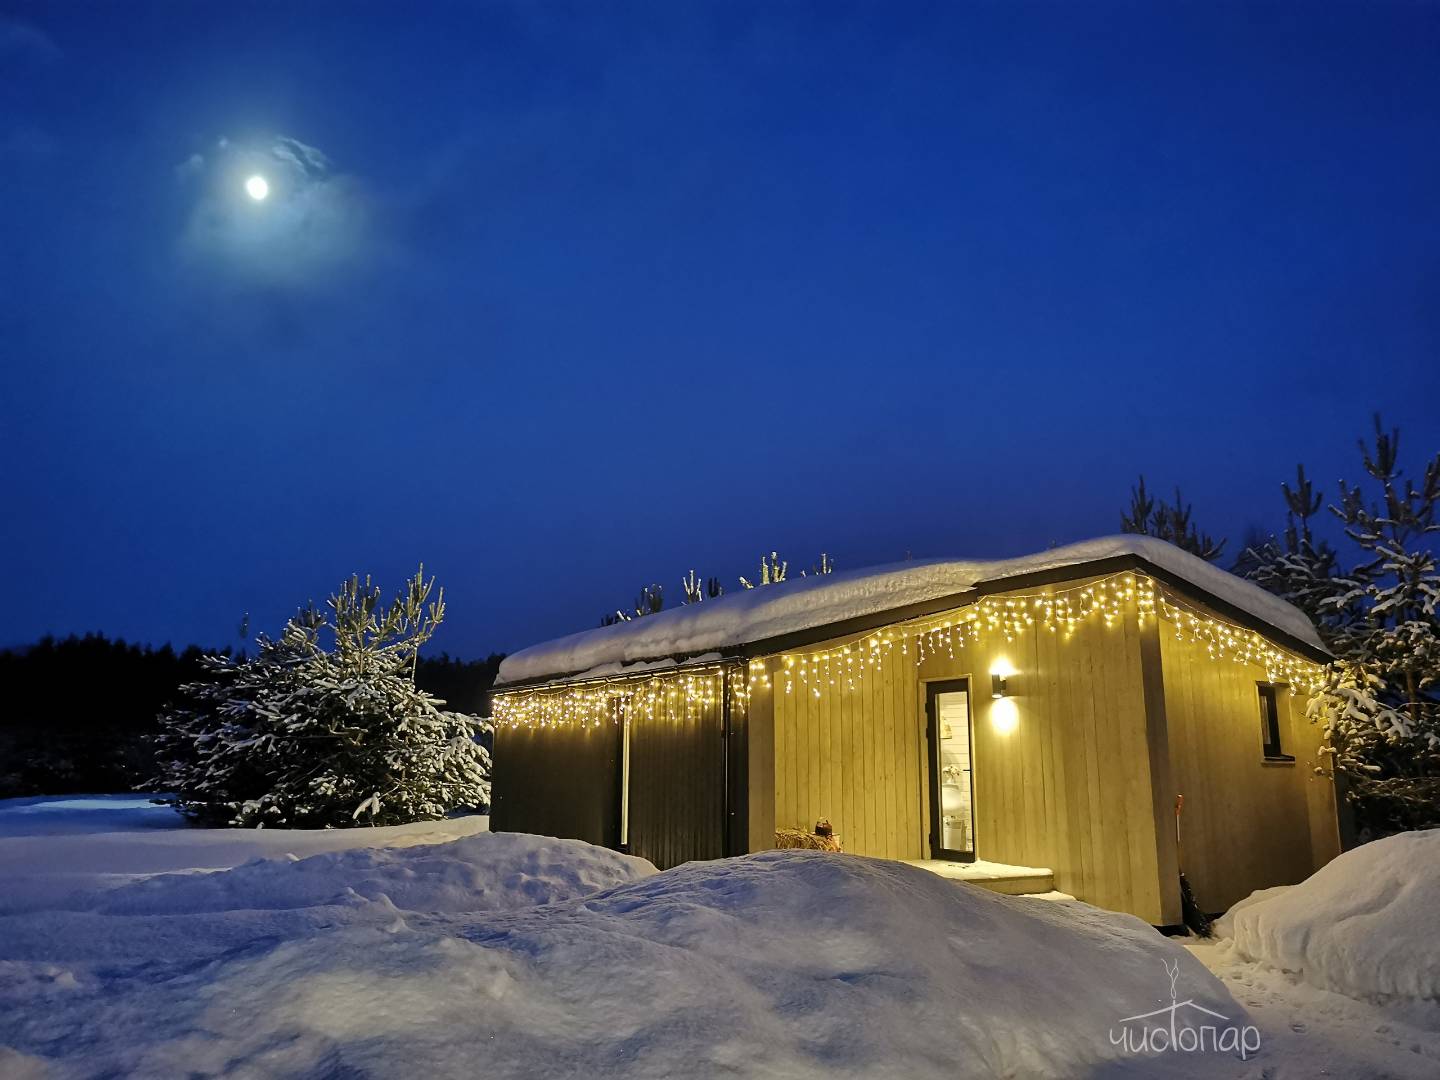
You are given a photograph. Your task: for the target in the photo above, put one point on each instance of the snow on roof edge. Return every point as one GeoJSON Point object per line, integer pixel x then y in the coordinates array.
{"type": "Point", "coordinates": [741, 618]}
{"type": "Point", "coordinates": [615, 669]}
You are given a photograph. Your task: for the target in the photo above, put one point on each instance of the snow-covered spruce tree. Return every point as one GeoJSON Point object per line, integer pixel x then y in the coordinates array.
{"type": "Point", "coordinates": [1378, 707]}
{"type": "Point", "coordinates": [305, 736]}
{"type": "Point", "coordinates": [1300, 567]}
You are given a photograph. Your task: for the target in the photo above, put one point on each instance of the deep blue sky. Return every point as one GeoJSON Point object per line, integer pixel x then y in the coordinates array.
{"type": "Point", "coordinates": [588, 296]}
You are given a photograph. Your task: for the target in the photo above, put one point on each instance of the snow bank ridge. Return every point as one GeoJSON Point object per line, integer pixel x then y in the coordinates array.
{"type": "Point", "coordinates": [1363, 925]}
{"type": "Point", "coordinates": [485, 872]}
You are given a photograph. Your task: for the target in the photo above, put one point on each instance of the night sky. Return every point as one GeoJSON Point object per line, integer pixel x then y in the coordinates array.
{"type": "Point", "coordinates": [561, 300]}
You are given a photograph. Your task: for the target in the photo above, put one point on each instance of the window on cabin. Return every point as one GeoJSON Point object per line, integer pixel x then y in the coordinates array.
{"type": "Point", "coordinates": [1270, 723]}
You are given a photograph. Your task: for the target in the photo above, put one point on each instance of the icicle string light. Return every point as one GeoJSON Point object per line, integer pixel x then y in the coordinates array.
{"type": "Point", "coordinates": [684, 694]}
{"type": "Point", "coordinates": [1056, 611]}
{"type": "Point", "coordinates": [845, 668]}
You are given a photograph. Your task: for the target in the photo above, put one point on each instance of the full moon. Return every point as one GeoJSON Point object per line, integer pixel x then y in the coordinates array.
{"type": "Point", "coordinates": [257, 188]}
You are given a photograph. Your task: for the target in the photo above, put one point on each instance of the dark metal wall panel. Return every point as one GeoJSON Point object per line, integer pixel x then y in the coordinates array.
{"type": "Point", "coordinates": [677, 781]}
{"type": "Point", "coordinates": [560, 781]}
{"type": "Point", "coordinates": [737, 763]}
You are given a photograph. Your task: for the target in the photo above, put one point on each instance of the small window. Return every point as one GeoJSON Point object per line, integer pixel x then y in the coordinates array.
{"type": "Point", "coordinates": [1270, 723]}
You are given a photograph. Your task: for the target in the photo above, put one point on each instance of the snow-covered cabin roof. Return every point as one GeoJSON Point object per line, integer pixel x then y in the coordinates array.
{"type": "Point", "coordinates": [726, 624]}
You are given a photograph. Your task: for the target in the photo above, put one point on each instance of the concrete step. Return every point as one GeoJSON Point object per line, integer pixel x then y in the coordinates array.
{"type": "Point", "coordinates": [997, 877]}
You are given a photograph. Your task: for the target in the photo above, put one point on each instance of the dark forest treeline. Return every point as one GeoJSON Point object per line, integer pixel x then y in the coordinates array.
{"type": "Point", "coordinates": [77, 711]}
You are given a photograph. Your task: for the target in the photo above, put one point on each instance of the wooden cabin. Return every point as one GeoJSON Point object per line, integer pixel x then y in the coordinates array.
{"type": "Point", "coordinates": [1037, 712]}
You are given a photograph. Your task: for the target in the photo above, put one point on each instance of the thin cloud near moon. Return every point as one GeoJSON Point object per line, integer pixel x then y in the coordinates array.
{"type": "Point", "coordinates": [312, 225]}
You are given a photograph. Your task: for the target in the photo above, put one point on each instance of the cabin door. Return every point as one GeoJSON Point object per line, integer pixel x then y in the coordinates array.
{"type": "Point", "coordinates": [952, 786]}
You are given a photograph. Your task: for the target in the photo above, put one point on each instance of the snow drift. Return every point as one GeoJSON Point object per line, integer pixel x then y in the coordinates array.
{"type": "Point", "coordinates": [423, 962]}
{"type": "Point", "coordinates": [803, 603]}
{"type": "Point", "coordinates": [485, 872]}
{"type": "Point", "coordinates": [1364, 925]}
{"type": "Point", "coordinates": [52, 847]}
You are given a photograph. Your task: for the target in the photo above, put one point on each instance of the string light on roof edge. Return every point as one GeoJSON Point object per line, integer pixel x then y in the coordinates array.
{"type": "Point", "coordinates": [843, 669]}
{"type": "Point", "coordinates": [685, 695]}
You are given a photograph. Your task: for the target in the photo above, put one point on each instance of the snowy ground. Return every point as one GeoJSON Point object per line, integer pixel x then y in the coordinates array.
{"type": "Point", "coordinates": [441, 950]}
{"type": "Point", "coordinates": [1342, 972]}
{"type": "Point", "coordinates": [50, 847]}
{"type": "Point", "coordinates": [1309, 1032]}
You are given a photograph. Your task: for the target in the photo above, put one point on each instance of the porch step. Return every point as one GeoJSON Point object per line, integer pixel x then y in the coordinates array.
{"type": "Point", "coordinates": [997, 877]}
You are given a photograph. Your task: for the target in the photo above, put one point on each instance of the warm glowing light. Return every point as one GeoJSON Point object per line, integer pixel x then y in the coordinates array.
{"type": "Point", "coordinates": [257, 187]}
{"type": "Point", "coordinates": [850, 668]}
{"type": "Point", "coordinates": [1000, 671]}
{"type": "Point", "coordinates": [681, 696]}
{"type": "Point", "coordinates": [1004, 716]}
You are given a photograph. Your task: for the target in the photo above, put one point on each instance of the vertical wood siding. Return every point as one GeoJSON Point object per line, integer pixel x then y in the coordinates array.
{"type": "Point", "coordinates": [1069, 788]}
{"type": "Point", "coordinates": [761, 756]}
{"type": "Point", "coordinates": [1247, 824]}
{"type": "Point", "coordinates": [854, 757]}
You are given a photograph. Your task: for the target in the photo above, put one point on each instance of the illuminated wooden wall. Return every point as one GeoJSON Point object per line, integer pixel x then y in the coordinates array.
{"type": "Point", "coordinates": [1248, 824]}
{"type": "Point", "coordinates": [1064, 784]}
{"type": "Point", "coordinates": [855, 758]}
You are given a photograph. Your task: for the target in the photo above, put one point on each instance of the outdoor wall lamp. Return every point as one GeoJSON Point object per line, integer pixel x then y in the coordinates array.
{"type": "Point", "coordinates": [1000, 671]}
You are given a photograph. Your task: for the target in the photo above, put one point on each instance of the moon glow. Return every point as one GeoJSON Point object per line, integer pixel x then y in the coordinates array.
{"type": "Point", "coordinates": [257, 188]}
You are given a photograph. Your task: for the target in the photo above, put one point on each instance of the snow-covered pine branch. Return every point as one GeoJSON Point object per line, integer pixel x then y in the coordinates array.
{"type": "Point", "coordinates": [1168, 521]}
{"type": "Point", "coordinates": [1378, 614]}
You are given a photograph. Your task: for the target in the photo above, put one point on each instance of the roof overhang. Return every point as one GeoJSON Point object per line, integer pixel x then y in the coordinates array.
{"type": "Point", "coordinates": [815, 635]}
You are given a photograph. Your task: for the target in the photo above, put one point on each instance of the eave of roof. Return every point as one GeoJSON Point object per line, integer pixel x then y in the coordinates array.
{"type": "Point", "coordinates": [870, 621]}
